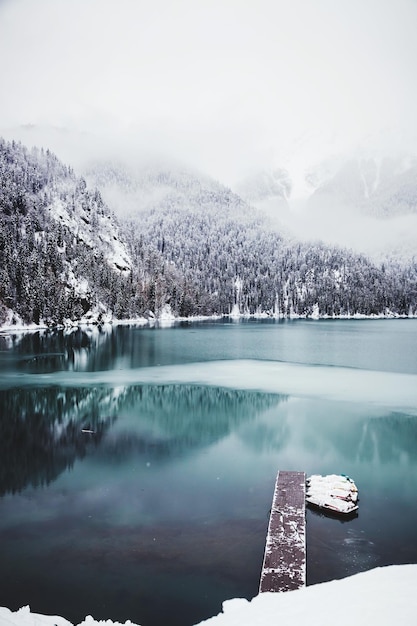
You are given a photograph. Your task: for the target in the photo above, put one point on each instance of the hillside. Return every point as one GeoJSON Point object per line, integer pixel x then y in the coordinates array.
{"type": "Point", "coordinates": [380, 186]}
{"type": "Point", "coordinates": [361, 196]}
{"type": "Point", "coordinates": [221, 255]}
{"type": "Point", "coordinates": [60, 253]}
{"type": "Point", "coordinates": [182, 243]}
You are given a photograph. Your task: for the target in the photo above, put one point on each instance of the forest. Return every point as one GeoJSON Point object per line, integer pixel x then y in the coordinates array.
{"type": "Point", "coordinates": [65, 256]}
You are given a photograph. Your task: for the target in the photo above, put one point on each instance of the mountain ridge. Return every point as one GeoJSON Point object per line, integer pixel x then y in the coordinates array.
{"type": "Point", "coordinates": [188, 245]}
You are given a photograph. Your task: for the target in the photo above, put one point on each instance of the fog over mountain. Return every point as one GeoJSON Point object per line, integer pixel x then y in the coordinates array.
{"type": "Point", "coordinates": [299, 107]}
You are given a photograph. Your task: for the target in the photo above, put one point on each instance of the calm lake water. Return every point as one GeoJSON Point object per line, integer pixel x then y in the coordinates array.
{"type": "Point", "coordinates": [137, 465]}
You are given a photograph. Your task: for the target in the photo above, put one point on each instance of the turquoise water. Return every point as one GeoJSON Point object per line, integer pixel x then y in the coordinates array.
{"type": "Point", "coordinates": [137, 465]}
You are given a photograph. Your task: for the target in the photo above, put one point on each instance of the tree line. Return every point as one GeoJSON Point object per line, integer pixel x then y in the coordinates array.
{"type": "Point", "coordinates": [203, 253]}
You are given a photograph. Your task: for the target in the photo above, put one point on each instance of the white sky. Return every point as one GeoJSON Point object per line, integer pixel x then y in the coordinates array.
{"type": "Point", "coordinates": [225, 84]}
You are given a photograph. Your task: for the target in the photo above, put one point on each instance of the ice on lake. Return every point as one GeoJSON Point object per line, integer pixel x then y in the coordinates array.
{"type": "Point", "coordinates": [389, 389]}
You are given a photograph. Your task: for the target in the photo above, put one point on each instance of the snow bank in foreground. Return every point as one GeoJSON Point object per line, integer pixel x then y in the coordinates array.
{"type": "Point", "coordinates": [384, 596]}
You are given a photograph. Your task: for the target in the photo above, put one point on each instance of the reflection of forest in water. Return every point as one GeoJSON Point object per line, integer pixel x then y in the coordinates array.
{"type": "Point", "coordinates": [387, 438]}
{"type": "Point", "coordinates": [392, 440]}
{"type": "Point", "coordinates": [43, 431]}
{"type": "Point", "coordinates": [85, 349]}
{"type": "Point", "coordinates": [76, 349]}
{"type": "Point", "coordinates": [169, 420]}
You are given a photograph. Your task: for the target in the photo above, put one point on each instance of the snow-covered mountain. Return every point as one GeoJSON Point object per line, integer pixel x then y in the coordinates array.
{"type": "Point", "coordinates": [160, 183]}
{"type": "Point", "coordinates": [362, 195]}
{"type": "Point", "coordinates": [379, 186]}
{"type": "Point", "coordinates": [352, 169]}
{"type": "Point", "coordinates": [226, 255]}
{"type": "Point", "coordinates": [268, 190]}
{"type": "Point", "coordinates": [183, 244]}
{"type": "Point", "coordinates": [60, 248]}
{"type": "Point", "coordinates": [84, 215]}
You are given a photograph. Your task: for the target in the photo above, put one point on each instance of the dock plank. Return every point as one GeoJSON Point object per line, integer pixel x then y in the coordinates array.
{"type": "Point", "coordinates": [285, 549]}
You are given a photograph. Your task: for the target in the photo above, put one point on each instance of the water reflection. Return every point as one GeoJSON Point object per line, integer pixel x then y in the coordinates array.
{"type": "Point", "coordinates": [346, 432]}
{"type": "Point", "coordinates": [175, 482]}
{"type": "Point", "coordinates": [390, 440]}
{"type": "Point", "coordinates": [49, 351]}
{"type": "Point", "coordinates": [271, 433]}
{"type": "Point", "coordinates": [43, 431]}
{"type": "Point", "coordinates": [166, 421]}
{"type": "Point", "coordinates": [87, 349]}
{"type": "Point", "coordinates": [385, 345]}
{"type": "Point", "coordinates": [172, 488]}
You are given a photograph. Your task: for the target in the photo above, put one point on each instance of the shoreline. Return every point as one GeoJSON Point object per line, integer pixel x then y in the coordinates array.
{"type": "Point", "coordinates": [169, 321]}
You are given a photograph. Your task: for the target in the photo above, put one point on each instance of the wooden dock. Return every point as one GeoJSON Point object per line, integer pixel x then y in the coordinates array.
{"type": "Point", "coordinates": [284, 563]}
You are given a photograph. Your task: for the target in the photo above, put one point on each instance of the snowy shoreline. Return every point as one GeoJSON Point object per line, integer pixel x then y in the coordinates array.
{"type": "Point", "coordinates": [171, 320]}
{"type": "Point", "coordinates": [384, 595]}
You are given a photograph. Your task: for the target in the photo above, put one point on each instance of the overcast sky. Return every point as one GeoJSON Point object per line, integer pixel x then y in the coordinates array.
{"type": "Point", "coordinates": [227, 84]}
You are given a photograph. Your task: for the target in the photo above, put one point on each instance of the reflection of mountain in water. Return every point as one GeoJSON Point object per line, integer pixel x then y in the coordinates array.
{"type": "Point", "coordinates": [389, 438]}
{"type": "Point", "coordinates": [171, 419]}
{"type": "Point", "coordinates": [267, 435]}
{"type": "Point", "coordinates": [77, 349]}
{"type": "Point", "coordinates": [41, 430]}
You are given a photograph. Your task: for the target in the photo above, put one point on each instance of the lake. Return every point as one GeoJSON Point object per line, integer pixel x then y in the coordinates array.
{"type": "Point", "coordinates": [137, 464]}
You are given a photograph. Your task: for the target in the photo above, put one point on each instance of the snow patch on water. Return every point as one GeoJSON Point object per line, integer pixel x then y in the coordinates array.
{"type": "Point", "coordinates": [331, 383]}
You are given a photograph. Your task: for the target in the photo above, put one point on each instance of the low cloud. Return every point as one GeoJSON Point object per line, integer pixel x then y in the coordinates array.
{"type": "Point", "coordinates": [227, 87]}
{"type": "Point", "coordinates": [221, 82]}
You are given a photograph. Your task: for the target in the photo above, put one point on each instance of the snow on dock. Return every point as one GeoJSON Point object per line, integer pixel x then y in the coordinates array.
{"type": "Point", "coordinates": [285, 550]}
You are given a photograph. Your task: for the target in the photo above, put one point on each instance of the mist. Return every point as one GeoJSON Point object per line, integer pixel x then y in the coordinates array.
{"type": "Point", "coordinates": [228, 87]}
{"type": "Point", "coordinates": [335, 223]}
